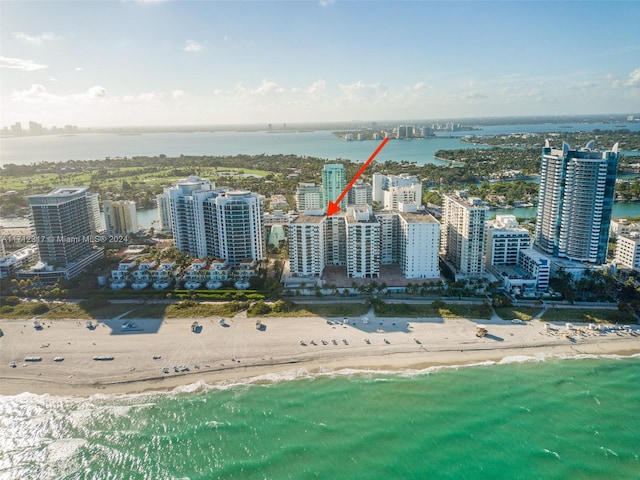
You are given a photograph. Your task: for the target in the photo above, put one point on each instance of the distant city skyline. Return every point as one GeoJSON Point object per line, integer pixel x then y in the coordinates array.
{"type": "Point", "coordinates": [154, 62]}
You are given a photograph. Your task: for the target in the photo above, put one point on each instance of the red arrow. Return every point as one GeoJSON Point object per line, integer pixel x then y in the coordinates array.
{"type": "Point", "coordinates": [333, 207]}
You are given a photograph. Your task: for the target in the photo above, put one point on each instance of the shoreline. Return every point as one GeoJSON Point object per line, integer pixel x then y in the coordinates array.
{"type": "Point", "coordinates": [239, 353]}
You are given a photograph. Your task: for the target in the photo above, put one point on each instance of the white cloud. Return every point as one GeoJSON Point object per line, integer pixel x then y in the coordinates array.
{"type": "Point", "coordinates": [326, 3]}
{"type": "Point", "coordinates": [317, 87]}
{"type": "Point", "coordinates": [192, 46]}
{"type": "Point", "coordinates": [267, 88]}
{"type": "Point", "coordinates": [96, 92]}
{"type": "Point", "coordinates": [20, 64]}
{"type": "Point", "coordinates": [359, 92]}
{"type": "Point", "coordinates": [634, 79]}
{"type": "Point", "coordinates": [177, 94]}
{"type": "Point", "coordinates": [39, 94]}
{"type": "Point", "coordinates": [78, 69]}
{"type": "Point", "coordinates": [36, 39]}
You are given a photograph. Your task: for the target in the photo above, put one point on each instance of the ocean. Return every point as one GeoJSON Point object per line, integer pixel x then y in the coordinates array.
{"type": "Point", "coordinates": [521, 418]}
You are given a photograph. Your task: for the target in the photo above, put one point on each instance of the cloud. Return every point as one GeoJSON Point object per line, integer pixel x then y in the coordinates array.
{"type": "Point", "coordinates": [20, 64]}
{"type": "Point", "coordinates": [39, 94]}
{"type": "Point", "coordinates": [78, 69]}
{"type": "Point", "coordinates": [326, 3]}
{"type": "Point", "coordinates": [366, 92]}
{"type": "Point", "coordinates": [37, 39]}
{"type": "Point", "coordinates": [192, 46]}
{"type": "Point", "coordinates": [177, 94]}
{"type": "Point", "coordinates": [317, 87]}
{"type": "Point", "coordinates": [267, 88]}
{"type": "Point", "coordinates": [634, 79]}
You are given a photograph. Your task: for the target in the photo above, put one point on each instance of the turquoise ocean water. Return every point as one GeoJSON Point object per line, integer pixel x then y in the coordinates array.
{"type": "Point", "coordinates": [557, 419]}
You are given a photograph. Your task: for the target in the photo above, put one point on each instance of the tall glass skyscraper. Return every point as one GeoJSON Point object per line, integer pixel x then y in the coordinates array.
{"type": "Point", "coordinates": [575, 201]}
{"type": "Point", "coordinates": [333, 183]}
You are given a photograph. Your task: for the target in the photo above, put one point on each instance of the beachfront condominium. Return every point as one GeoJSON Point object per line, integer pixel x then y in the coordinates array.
{"type": "Point", "coordinates": [309, 197]}
{"type": "Point", "coordinates": [307, 244]}
{"type": "Point", "coordinates": [217, 223]}
{"type": "Point", "coordinates": [64, 221]}
{"type": "Point", "coordinates": [333, 184]}
{"type": "Point", "coordinates": [120, 217]}
{"type": "Point", "coordinates": [362, 242]}
{"type": "Point", "coordinates": [418, 241]}
{"type": "Point", "coordinates": [463, 235]}
{"type": "Point", "coordinates": [505, 239]}
{"type": "Point", "coordinates": [389, 191]}
{"type": "Point", "coordinates": [239, 224]}
{"type": "Point", "coordinates": [186, 199]}
{"type": "Point", "coordinates": [575, 201]}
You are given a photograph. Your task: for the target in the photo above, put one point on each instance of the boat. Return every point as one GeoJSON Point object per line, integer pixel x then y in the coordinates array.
{"type": "Point", "coordinates": [12, 364]}
{"type": "Point", "coordinates": [103, 358]}
{"type": "Point", "coordinates": [37, 325]}
{"type": "Point", "coordinates": [32, 359]}
{"type": "Point", "coordinates": [58, 359]}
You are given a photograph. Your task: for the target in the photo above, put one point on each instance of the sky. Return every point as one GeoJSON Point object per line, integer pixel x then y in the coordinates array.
{"type": "Point", "coordinates": [173, 62]}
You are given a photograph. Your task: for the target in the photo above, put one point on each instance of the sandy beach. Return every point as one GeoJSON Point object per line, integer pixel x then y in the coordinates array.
{"type": "Point", "coordinates": [155, 354]}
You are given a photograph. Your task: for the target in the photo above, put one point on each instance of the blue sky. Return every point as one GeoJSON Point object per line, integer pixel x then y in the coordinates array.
{"type": "Point", "coordinates": [172, 62]}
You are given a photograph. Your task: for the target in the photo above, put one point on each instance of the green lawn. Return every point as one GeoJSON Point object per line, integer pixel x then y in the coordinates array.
{"type": "Point", "coordinates": [406, 310]}
{"type": "Point", "coordinates": [521, 313]}
{"type": "Point", "coordinates": [587, 315]}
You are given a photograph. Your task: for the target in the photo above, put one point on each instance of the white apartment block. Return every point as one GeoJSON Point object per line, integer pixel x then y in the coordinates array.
{"type": "Point", "coordinates": [536, 265]}
{"type": "Point", "coordinates": [621, 226]}
{"type": "Point", "coordinates": [419, 239]}
{"type": "Point", "coordinates": [628, 250]}
{"type": "Point", "coordinates": [240, 226]}
{"type": "Point", "coordinates": [164, 212]}
{"type": "Point", "coordinates": [216, 223]}
{"type": "Point", "coordinates": [187, 198]}
{"type": "Point", "coordinates": [463, 235]}
{"type": "Point", "coordinates": [306, 245]}
{"type": "Point", "coordinates": [360, 194]}
{"type": "Point", "coordinates": [120, 217]}
{"type": "Point", "coordinates": [363, 243]}
{"type": "Point", "coordinates": [309, 197]}
{"type": "Point", "coordinates": [505, 239]}
{"type": "Point", "coordinates": [392, 190]}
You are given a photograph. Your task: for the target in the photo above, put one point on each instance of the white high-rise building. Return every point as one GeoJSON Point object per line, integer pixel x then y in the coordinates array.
{"type": "Point", "coordinates": [187, 198]}
{"type": "Point", "coordinates": [419, 240]}
{"type": "Point", "coordinates": [505, 239]}
{"type": "Point", "coordinates": [463, 235]}
{"type": "Point", "coordinates": [389, 191]}
{"type": "Point", "coordinates": [575, 201]}
{"type": "Point", "coordinates": [120, 217]}
{"type": "Point", "coordinates": [309, 197]}
{"type": "Point", "coordinates": [363, 243]}
{"type": "Point", "coordinates": [240, 226]}
{"type": "Point", "coordinates": [164, 212]}
{"type": "Point", "coordinates": [306, 245]}
{"type": "Point", "coordinates": [333, 184]}
{"type": "Point", "coordinates": [223, 224]}
{"type": "Point", "coordinates": [360, 194]}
